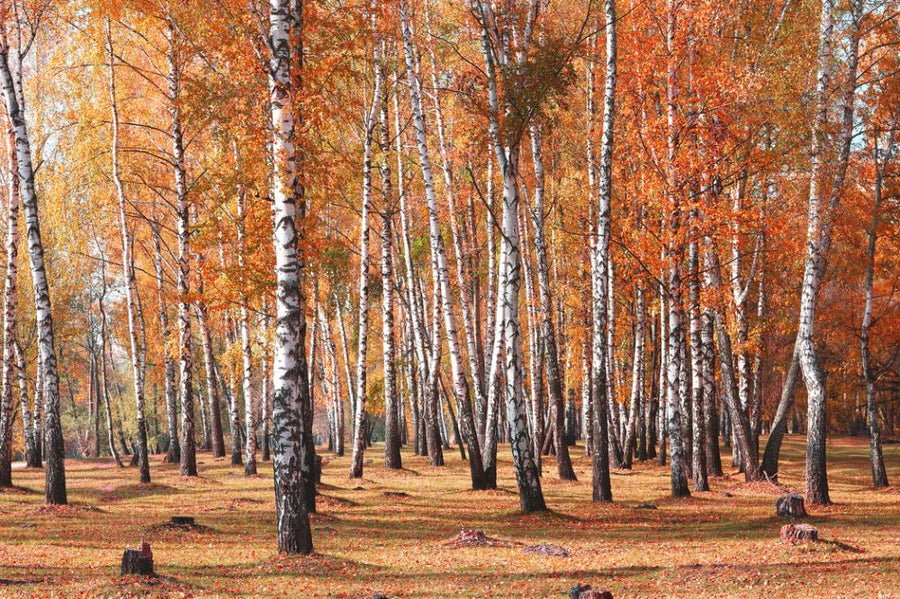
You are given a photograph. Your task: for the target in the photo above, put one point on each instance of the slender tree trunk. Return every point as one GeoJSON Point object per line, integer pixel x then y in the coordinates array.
{"type": "Point", "coordinates": [31, 454]}
{"type": "Point", "coordinates": [188, 465]}
{"type": "Point", "coordinates": [392, 402]}
{"type": "Point", "coordinates": [637, 377]}
{"type": "Point", "coordinates": [698, 381]}
{"type": "Point", "coordinates": [265, 379]}
{"type": "Point", "coordinates": [103, 369]}
{"type": "Point", "coordinates": [879, 474]}
{"type": "Point", "coordinates": [710, 414]}
{"type": "Point", "coordinates": [360, 416]}
{"type": "Point", "coordinates": [246, 350]}
{"type": "Point", "coordinates": [9, 323]}
{"type": "Point", "coordinates": [130, 279]}
{"type": "Point", "coordinates": [602, 489]}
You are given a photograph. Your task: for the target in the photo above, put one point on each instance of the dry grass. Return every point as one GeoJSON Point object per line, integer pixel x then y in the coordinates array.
{"type": "Point", "coordinates": [721, 543]}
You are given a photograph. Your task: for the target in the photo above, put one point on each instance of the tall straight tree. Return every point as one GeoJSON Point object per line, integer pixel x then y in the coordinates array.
{"type": "Point", "coordinates": [9, 324]}
{"type": "Point", "coordinates": [188, 464]}
{"type": "Point", "coordinates": [602, 489]}
{"type": "Point", "coordinates": [291, 391]}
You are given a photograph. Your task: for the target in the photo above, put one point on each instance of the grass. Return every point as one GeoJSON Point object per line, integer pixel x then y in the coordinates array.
{"type": "Point", "coordinates": [721, 543]}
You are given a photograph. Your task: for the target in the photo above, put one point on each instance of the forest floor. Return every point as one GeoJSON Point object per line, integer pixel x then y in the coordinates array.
{"type": "Point", "coordinates": [370, 538]}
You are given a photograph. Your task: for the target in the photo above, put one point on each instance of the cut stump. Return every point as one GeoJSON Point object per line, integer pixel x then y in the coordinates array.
{"type": "Point", "coordinates": [790, 506]}
{"type": "Point", "coordinates": [184, 521]}
{"type": "Point", "coordinates": [584, 591]}
{"type": "Point", "coordinates": [138, 562]}
{"type": "Point", "coordinates": [793, 533]}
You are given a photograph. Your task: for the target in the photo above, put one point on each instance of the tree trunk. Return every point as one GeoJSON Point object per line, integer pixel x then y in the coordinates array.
{"type": "Point", "coordinates": [602, 490]}
{"type": "Point", "coordinates": [392, 402]}
{"type": "Point", "coordinates": [55, 489]}
{"type": "Point", "coordinates": [289, 385]}
{"type": "Point", "coordinates": [879, 474]}
{"type": "Point", "coordinates": [818, 241]}
{"type": "Point", "coordinates": [188, 465]}
{"type": "Point", "coordinates": [128, 274]}
{"type": "Point", "coordinates": [9, 325]}
{"type": "Point", "coordinates": [698, 380]}
{"type": "Point", "coordinates": [359, 420]}
{"type": "Point", "coordinates": [246, 350]}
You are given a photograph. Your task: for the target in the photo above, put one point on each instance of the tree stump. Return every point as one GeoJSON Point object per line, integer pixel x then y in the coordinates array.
{"type": "Point", "coordinates": [138, 562]}
{"type": "Point", "coordinates": [183, 521]}
{"type": "Point", "coordinates": [584, 591]}
{"type": "Point", "coordinates": [790, 506]}
{"type": "Point", "coordinates": [792, 533]}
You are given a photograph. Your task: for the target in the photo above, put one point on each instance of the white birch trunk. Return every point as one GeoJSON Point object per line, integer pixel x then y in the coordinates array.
{"type": "Point", "coordinates": [55, 487]}
{"type": "Point", "coordinates": [290, 396]}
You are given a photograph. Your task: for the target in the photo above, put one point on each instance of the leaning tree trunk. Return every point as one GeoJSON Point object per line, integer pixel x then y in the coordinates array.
{"type": "Point", "coordinates": [55, 490]}
{"type": "Point", "coordinates": [289, 386]}
{"type": "Point", "coordinates": [128, 273]}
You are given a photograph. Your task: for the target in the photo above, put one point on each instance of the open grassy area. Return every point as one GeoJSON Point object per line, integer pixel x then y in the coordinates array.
{"type": "Point", "coordinates": [721, 543]}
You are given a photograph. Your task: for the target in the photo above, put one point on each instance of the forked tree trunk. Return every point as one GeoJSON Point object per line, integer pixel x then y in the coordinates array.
{"type": "Point", "coordinates": [819, 224]}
